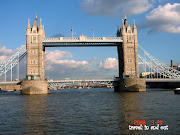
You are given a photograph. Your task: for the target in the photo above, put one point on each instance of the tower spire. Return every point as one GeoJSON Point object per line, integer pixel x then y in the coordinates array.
{"type": "Point", "coordinates": [123, 26]}
{"type": "Point", "coordinates": [134, 25]}
{"type": "Point", "coordinates": [125, 17]}
{"type": "Point", "coordinates": [35, 22]}
{"type": "Point", "coordinates": [28, 26]}
{"type": "Point", "coordinates": [40, 25]}
{"type": "Point", "coordinates": [125, 21]}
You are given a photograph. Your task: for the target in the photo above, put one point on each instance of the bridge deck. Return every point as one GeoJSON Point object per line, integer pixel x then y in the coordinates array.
{"type": "Point", "coordinates": [162, 80]}
{"type": "Point", "coordinates": [93, 80]}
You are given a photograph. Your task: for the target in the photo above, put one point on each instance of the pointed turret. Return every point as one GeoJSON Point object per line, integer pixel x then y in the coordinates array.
{"type": "Point", "coordinates": [134, 28]}
{"type": "Point", "coordinates": [36, 22]}
{"type": "Point", "coordinates": [28, 29]}
{"type": "Point", "coordinates": [28, 26]}
{"type": "Point", "coordinates": [123, 29]}
{"type": "Point", "coordinates": [123, 26]}
{"type": "Point", "coordinates": [125, 21]}
{"type": "Point", "coordinates": [125, 17]}
{"type": "Point", "coordinates": [40, 25]}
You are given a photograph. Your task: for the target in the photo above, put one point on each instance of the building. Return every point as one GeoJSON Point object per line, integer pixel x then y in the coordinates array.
{"type": "Point", "coordinates": [144, 74]}
{"type": "Point", "coordinates": [35, 51]}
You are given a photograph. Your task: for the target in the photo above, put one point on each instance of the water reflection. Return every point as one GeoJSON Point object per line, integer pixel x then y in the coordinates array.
{"type": "Point", "coordinates": [130, 110]}
{"type": "Point", "coordinates": [35, 109]}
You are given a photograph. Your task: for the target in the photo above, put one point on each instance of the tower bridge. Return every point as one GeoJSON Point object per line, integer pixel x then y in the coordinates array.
{"type": "Point", "coordinates": [126, 43]}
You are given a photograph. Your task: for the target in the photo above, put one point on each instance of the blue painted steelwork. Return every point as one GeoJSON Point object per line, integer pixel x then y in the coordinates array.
{"type": "Point", "coordinates": [13, 60]}
{"type": "Point", "coordinates": [162, 70]}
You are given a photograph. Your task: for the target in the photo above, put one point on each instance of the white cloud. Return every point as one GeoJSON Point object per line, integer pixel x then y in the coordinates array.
{"type": "Point", "coordinates": [163, 19]}
{"type": "Point", "coordinates": [109, 63]}
{"type": "Point", "coordinates": [5, 51]}
{"type": "Point", "coordinates": [71, 63]}
{"type": "Point", "coordinates": [57, 68]}
{"type": "Point", "coordinates": [115, 7]}
{"type": "Point", "coordinates": [53, 58]}
{"type": "Point", "coordinates": [3, 58]}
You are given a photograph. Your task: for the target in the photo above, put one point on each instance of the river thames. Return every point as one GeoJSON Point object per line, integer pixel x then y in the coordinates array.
{"type": "Point", "coordinates": [95, 111]}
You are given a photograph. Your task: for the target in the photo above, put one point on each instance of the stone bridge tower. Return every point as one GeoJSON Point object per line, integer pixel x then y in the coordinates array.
{"type": "Point", "coordinates": [35, 83]}
{"type": "Point", "coordinates": [35, 51]}
{"type": "Point", "coordinates": [128, 56]}
{"type": "Point", "coordinates": [128, 59]}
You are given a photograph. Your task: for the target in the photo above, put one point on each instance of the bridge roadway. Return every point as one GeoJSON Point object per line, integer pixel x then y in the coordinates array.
{"type": "Point", "coordinates": [94, 81]}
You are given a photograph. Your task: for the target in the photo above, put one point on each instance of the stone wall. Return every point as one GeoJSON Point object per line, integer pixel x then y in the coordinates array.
{"type": "Point", "coordinates": [30, 87]}
{"type": "Point", "coordinates": [131, 85]}
{"type": "Point", "coordinates": [11, 87]}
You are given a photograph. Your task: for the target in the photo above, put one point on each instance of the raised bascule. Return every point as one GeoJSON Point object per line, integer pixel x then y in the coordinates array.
{"type": "Point", "coordinates": [126, 43]}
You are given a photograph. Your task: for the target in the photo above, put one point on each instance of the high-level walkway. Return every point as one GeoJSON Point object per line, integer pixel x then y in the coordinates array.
{"type": "Point", "coordinates": [81, 41]}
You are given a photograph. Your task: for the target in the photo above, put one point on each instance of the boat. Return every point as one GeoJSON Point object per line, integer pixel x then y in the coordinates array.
{"type": "Point", "coordinates": [177, 91]}
{"type": "Point", "coordinates": [80, 88]}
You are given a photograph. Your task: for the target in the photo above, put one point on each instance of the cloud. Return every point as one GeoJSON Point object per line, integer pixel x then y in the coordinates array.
{"type": "Point", "coordinates": [115, 7]}
{"type": "Point", "coordinates": [93, 60]}
{"type": "Point", "coordinates": [53, 58]}
{"type": "Point", "coordinates": [3, 58]}
{"type": "Point", "coordinates": [58, 68]}
{"type": "Point", "coordinates": [163, 19]}
{"type": "Point", "coordinates": [109, 63]}
{"type": "Point", "coordinates": [5, 51]}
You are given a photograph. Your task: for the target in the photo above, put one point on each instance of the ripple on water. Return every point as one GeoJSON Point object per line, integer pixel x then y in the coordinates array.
{"type": "Point", "coordinates": [94, 111]}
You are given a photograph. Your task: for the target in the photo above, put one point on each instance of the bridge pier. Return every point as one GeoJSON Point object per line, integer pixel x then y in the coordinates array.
{"type": "Point", "coordinates": [131, 85]}
{"type": "Point", "coordinates": [32, 87]}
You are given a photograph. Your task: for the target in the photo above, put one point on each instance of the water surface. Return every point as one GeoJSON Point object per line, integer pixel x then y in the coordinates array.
{"type": "Point", "coordinates": [94, 111]}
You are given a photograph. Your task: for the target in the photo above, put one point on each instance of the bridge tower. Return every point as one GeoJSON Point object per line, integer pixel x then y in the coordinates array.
{"type": "Point", "coordinates": [128, 56]}
{"type": "Point", "coordinates": [35, 83]}
{"type": "Point", "coordinates": [35, 51]}
{"type": "Point", "coordinates": [128, 59]}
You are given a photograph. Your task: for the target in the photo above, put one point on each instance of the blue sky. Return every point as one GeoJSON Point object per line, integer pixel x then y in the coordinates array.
{"type": "Point", "coordinates": [158, 24]}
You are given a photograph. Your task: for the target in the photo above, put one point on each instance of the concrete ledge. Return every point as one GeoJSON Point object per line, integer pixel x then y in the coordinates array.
{"type": "Point", "coordinates": [131, 85]}
{"type": "Point", "coordinates": [31, 87]}
{"type": "Point", "coordinates": [10, 87]}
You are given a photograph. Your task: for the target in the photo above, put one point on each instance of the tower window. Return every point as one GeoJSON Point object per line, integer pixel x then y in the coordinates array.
{"type": "Point", "coordinates": [34, 31]}
{"type": "Point", "coordinates": [36, 70]}
{"type": "Point", "coordinates": [34, 38]}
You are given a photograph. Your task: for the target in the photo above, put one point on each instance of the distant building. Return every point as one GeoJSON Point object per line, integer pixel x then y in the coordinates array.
{"type": "Point", "coordinates": [178, 68]}
{"type": "Point", "coordinates": [175, 67]}
{"type": "Point", "coordinates": [143, 74]}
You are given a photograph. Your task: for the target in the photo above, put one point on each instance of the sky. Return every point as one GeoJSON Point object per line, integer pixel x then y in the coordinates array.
{"type": "Point", "coordinates": [158, 25]}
